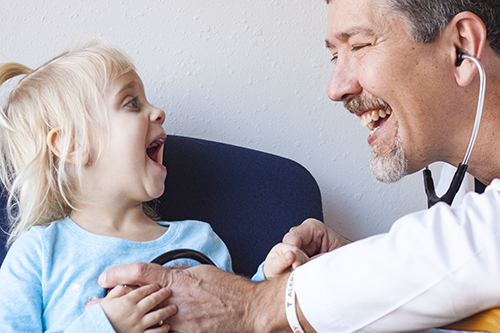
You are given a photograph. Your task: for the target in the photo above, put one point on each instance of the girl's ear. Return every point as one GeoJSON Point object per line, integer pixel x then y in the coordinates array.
{"type": "Point", "coordinates": [469, 37]}
{"type": "Point", "coordinates": [52, 143]}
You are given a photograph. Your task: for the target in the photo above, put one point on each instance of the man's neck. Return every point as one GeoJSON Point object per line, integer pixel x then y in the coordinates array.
{"type": "Point", "coordinates": [484, 162]}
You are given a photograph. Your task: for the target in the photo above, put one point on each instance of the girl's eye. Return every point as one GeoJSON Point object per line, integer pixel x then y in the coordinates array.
{"type": "Point", "coordinates": [334, 59]}
{"type": "Point", "coordinates": [132, 104]}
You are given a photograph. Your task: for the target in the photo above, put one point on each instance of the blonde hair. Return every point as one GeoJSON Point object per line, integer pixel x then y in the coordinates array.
{"type": "Point", "coordinates": [64, 94]}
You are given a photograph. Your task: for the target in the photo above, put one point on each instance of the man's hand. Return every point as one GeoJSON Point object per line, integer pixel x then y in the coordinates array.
{"type": "Point", "coordinates": [207, 298]}
{"type": "Point", "coordinates": [314, 237]}
{"type": "Point", "coordinates": [211, 300]}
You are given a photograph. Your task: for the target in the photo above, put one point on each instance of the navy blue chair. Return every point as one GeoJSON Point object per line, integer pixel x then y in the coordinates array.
{"type": "Point", "coordinates": [3, 225]}
{"type": "Point", "coordinates": [250, 198]}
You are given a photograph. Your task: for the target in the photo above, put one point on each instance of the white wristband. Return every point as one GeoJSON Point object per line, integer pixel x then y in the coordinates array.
{"type": "Point", "coordinates": [291, 314]}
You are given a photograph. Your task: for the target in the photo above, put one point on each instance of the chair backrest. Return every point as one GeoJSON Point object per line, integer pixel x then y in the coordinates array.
{"type": "Point", "coordinates": [250, 198]}
{"type": "Point", "coordinates": [3, 225]}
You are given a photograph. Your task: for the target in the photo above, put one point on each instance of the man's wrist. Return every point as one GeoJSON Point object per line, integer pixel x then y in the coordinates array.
{"type": "Point", "coordinates": [267, 309]}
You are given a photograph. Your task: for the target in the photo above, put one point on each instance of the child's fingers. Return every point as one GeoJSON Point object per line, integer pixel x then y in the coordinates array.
{"type": "Point", "coordinates": [160, 316]}
{"type": "Point", "coordinates": [165, 328]}
{"type": "Point", "coordinates": [278, 264]}
{"type": "Point", "coordinates": [288, 258]}
{"type": "Point", "coordinates": [138, 294]}
{"type": "Point", "coordinates": [118, 291]}
{"type": "Point", "coordinates": [91, 301]}
{"type": "Point", "coordinates": [300, 258]}
{"type": "Point", "coordinates": [149, 302]}
{"type": "Point", "coordinates": [296, 264]}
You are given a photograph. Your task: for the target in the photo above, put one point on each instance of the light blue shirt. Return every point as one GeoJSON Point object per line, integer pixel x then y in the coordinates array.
{"type": "Point", "coordinates": [50, 271]}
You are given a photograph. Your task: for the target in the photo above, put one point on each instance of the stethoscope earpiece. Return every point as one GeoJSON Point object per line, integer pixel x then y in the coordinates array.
{"type": "Point", "coordinates": [460, 58]}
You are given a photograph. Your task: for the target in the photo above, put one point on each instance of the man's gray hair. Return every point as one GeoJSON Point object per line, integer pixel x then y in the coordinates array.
{"type": "Point", "coordinates": [427, 18]}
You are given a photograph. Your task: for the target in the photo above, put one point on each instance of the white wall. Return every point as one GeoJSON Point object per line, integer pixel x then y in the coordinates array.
{"type": "Point", "coordinates": [250, 73]}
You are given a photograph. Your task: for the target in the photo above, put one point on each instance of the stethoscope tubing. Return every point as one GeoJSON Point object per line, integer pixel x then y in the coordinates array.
{"type": "Point", "coordinates": [179, 254]}
{"type": "Point", "coordinates": [459, 175]}
{"type": "Point", "coordinates": [480, 105]}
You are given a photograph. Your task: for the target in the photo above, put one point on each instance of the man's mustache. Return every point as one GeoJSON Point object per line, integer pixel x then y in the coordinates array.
{"type": "Point", "coordinates": [359, 103]}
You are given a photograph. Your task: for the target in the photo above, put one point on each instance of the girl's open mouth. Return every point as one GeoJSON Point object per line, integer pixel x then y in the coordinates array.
{"type": "Point", "coordinates": [153, 150]}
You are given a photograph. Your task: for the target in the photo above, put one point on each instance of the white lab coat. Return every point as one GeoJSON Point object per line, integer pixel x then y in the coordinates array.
{"type": "Point", "coordinates": [433, 267]}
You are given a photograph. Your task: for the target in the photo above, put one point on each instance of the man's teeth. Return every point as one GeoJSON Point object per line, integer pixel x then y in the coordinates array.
{"type": "Point", "coordinates": [374, 115]}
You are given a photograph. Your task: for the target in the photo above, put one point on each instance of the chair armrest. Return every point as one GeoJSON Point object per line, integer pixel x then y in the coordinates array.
{"type": "Point", "coordinates": [486, 321]}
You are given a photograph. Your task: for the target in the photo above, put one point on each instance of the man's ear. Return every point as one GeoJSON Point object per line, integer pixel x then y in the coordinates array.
{"type": "Point", "coordinates": [469, 37]}
{"type": "Point", "coordinates": [52, 142]}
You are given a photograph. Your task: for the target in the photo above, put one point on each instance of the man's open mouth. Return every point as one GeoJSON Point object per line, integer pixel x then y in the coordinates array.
{"type": "Point", "coordinates": [373, 119]}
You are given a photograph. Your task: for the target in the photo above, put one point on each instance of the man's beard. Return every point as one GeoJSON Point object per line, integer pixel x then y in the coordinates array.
{"type": "Point", "coordinates": [389, 168]}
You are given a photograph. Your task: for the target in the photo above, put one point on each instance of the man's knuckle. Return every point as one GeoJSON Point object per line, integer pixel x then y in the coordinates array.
{"type": "Point", "coordinates": [139, 269]}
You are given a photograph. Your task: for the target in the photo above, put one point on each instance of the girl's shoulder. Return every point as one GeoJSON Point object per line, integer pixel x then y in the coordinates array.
{"type": "Point", "coordinates": [185, 223]}
{"type": "Point", "coordinates": [39, 234]}
{"type": "Point", "coordinates": [192, 233]}
{"type": "Point", "coordinates": [30, 249]}
{"type": "Point", "coordinates": [187, 226]}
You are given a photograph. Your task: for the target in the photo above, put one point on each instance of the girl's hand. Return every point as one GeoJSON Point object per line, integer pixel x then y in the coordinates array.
{"type": "Point", "coordinates": [137, 310]}
{"type": "Point", "coordinates": [314, 237]}
{"type": "Point", "coordinates": [282, 258]}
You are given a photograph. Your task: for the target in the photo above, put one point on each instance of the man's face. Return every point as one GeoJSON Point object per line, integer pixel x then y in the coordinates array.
{"type": "Point", "coordinates": [390, 82]}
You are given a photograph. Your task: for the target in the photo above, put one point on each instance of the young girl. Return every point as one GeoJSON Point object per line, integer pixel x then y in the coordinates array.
{"type": "Point", "coordinates": [82, 151]}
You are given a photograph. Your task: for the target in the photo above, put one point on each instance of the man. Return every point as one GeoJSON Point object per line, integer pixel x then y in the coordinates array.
{"type": "Point", "coordinates": [396, 68]}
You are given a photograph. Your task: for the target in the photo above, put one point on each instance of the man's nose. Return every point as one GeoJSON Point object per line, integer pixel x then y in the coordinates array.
{"type": "Point", "coordinates": [344, 84]}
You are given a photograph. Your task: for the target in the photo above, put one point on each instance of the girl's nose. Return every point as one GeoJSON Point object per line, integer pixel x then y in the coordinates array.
{"type": "Point", "coordinates": [158, 115]}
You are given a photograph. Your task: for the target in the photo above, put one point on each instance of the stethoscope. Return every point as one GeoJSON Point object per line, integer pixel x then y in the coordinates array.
{"type": "Point", "coordinates": [459, 175]}
{"type": "Point", "coordinates": [182, 254]}
{"type": "Point", "coordinates": [179, 254]}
